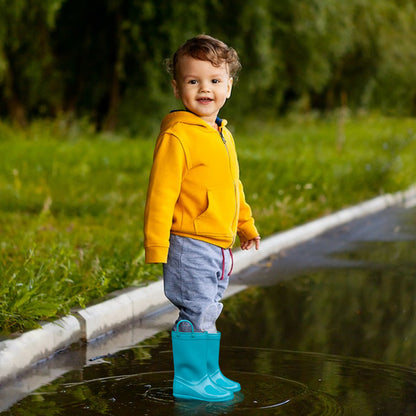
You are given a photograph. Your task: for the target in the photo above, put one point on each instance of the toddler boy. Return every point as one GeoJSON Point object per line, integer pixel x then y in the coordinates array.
{"type": "Point", "coordinates": [195, 207]}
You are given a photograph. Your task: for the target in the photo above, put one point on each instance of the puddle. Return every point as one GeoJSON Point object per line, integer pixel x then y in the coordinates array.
{"type": "Point", "coordinates": [330, 329]}
{"type": "Point", "coordinates": [274, 382]}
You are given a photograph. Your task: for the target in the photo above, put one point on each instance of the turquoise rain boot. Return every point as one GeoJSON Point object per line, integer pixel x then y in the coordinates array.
{"type": "Point", "coordinates": [191, 380]}
{"type": "Point", "coordinates": [213, 342]}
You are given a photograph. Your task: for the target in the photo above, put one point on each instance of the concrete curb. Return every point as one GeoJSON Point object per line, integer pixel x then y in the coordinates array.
{"type": "Point", "coordinates": [33, 346]}
{"type": "Point", "coordinates": [123, 308]}
{"type": "Point", "coordinates": [17, 355]}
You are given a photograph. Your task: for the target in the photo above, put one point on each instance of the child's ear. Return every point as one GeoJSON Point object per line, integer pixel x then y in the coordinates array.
{"type": "Point", "coordinates": [175, 88]}
{"type": "Point", "coordinates": [229, 86]}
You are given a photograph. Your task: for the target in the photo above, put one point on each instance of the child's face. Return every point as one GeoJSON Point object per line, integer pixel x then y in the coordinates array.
{"type": "Point", "coordinates": [202, 87]}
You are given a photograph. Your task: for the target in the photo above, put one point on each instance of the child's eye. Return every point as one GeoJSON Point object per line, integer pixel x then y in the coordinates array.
{"type": "Point", "coordinates": [193, 82]}
{"type": "Point", "coordinates": [216, 81]}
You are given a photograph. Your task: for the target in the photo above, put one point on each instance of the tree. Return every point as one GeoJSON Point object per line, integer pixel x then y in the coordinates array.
{"type": "Point", "coordinates": [103, 59]}
{"type": "Point", "coordinates": [28, 82]}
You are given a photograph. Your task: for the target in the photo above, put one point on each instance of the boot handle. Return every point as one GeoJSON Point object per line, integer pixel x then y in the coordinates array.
{"type": "Point", "coordinates": [184, 320]}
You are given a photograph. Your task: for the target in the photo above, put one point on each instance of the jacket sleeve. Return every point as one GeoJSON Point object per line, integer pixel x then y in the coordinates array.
{"type": "Point", "coordinates": [169, 167]}
{"type": "Point", "coordinates": [246, 230]}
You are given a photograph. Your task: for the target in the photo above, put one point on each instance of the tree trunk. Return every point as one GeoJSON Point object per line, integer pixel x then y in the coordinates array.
{"type": "Point", "coordinates": [110, 122]}
{"type": "Point", "coordinates": [16, 109]}
{"type": "Point", "coordinates": [342, 117]}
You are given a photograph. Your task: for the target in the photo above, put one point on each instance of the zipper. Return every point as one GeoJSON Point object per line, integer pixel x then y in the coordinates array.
{"type": "Point", "coordinates": [223, 139]}
{"type": "Point", "coordinates": [235, 191]}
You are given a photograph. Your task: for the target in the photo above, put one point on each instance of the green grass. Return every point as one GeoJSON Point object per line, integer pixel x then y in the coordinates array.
{"type": "Point", "coordinates": [71, 201]}
{"type": "Point", "coordinates": [296, 171]}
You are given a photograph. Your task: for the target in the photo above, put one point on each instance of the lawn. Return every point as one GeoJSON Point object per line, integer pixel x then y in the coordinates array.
{"type": "Point", "coordinates": [72, 201]}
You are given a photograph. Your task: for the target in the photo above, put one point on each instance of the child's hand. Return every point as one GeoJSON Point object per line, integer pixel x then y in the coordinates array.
{"type": "Point", "coordinates": [246, 245]}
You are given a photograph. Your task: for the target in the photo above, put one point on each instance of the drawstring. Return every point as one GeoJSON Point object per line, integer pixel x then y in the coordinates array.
{"type": "Point", "coordinates": [223, 263]}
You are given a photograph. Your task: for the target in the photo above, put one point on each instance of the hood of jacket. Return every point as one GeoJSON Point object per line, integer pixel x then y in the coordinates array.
{"type": "Point", "coordinates": [187, 117]}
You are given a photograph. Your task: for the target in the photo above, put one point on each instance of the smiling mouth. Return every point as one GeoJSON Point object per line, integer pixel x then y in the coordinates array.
{"type": "Point", "coordinates": [205, 100]}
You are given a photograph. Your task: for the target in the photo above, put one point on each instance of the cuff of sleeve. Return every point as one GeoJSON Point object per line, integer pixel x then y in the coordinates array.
{"type": "Point", "coordinates": [248, 234]}
{"type": "Point", "coordinates": [156, 254]}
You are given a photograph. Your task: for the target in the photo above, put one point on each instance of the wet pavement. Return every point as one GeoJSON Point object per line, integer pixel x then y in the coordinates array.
{"type": "Point", "coordinates": [326, 328]}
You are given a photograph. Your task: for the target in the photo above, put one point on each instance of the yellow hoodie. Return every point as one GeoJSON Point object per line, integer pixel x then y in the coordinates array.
{"type": "Point", "coordinates": [194, 187]}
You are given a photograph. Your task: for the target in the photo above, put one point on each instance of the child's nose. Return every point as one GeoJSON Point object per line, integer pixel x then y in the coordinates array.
{"type": "Point", "coordinates": [204, 86]}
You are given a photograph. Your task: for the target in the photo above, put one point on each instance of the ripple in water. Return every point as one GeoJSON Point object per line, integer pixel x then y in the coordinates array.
{"type": "Point", "coordinates": [274, 382]}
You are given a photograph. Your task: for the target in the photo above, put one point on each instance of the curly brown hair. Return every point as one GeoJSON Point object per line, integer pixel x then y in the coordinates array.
{"type": "Point", "coordinates": [206, 48]}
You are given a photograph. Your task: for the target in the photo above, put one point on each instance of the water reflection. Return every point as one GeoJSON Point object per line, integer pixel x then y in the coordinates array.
{"type": "Point", "coordinates": [366, 311]}
{"type": "Point", "coordinates": [360, 313]}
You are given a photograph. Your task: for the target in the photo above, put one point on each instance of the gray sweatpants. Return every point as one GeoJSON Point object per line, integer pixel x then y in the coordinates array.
{"type": "Point", "coordinates": [195, 278]}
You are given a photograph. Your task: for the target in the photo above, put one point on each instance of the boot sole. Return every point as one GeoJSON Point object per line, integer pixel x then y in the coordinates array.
{"type": "Point", "coordinates": [186, 397]}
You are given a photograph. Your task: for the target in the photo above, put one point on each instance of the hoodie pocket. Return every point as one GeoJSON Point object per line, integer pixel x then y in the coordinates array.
{"type": "Point", "coordinates": [218, 218]}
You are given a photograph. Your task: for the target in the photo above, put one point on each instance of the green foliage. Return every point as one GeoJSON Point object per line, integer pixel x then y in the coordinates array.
{"type": "Point", "coordinates": [72, 201]}
{"type": "Point", "coordinates": [296, 172]}
{"type": "Point", "coordinates": [103, 59]}
{"type": "Point", "coordinates": [71, 212]}
{"type": "Point", "coordinates": [28, 75]}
